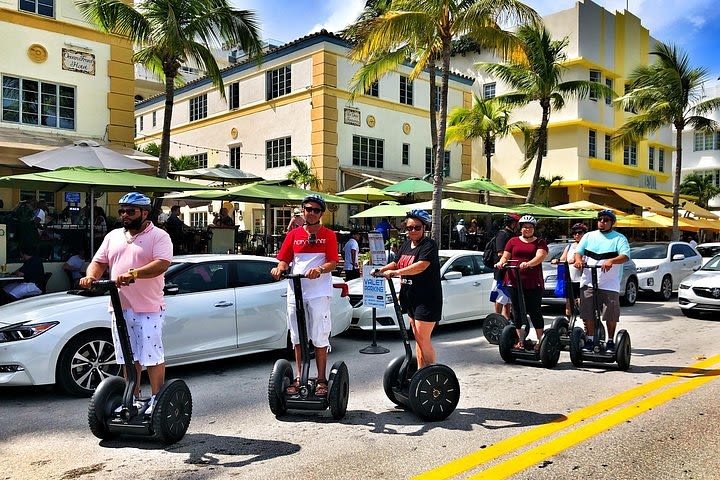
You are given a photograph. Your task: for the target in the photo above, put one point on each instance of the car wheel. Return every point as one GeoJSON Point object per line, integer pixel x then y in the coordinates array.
{"type": "Point", "coordinates": [86, 360]}
{"type": "Point", "coordinates": [631, 291]}
{"type": "Point", "coordinates": [666, 288]}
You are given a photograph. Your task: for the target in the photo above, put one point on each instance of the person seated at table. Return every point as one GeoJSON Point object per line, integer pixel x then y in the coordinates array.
{"type": "Point", "coordinates": [74, 265]}
{"type": "Point", "coordinates": [33, 274]}
{"type": "Point", "coordinates": [224, 220]}
{"type": "Point", "coordinates": [175, 227]}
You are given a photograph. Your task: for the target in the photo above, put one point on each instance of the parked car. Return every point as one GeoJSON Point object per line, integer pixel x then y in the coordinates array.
{"type": "Point", "coordinates": [662, 265]}
{"type": "Point", "coordinates": [708, 250]}
{"type": "Point", "coordinates": [700, 292]}
{"type": "Point", "coordinates": [466, 285]}
{"type": "Point", "coordinates": [628, 281]}
{"type": "Point", "coordinates": [218, 306]}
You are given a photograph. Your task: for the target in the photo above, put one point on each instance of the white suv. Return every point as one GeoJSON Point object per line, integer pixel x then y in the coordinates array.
{"type": "Point", "coordinates": [661, 266]}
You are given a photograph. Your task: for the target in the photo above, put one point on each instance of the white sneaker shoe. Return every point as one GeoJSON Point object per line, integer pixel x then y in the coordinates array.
{"type": "Point", "coordinates": [151, 407]}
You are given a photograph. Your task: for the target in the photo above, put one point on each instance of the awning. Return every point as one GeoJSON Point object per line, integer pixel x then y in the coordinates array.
{"type": "Point", "coordinates": [641, 200]}
{"type": "Point", "coordinates": [691, 207]}
{"type": "Point", "coordinates": [667, 222]}
{"type": "Point", "coordinates": [706, 224]}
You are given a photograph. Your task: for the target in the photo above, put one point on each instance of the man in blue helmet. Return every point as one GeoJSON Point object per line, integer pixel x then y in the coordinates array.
{"type": "Point", "coordinates": [138, 254]}
{"type": "Point", "coordinates": [609, 249]}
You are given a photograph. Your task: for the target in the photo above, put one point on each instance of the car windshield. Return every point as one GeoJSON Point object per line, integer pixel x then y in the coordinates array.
{"type": "Point", "coordinates": [443, 260]}
{"type": "Point", "coordinates": [555, 251]}
{"type": "Point", "coordinates": [648, 252]}
{"type": "Point", "coordinates": [713, 265]}
{"type": "Point", "coordinates": [708, 250]}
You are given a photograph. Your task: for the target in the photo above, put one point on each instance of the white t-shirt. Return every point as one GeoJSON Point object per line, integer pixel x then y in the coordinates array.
{"type": "Point", "coordinates": [351, 245]}
{"type": "Point", "coordinates": [575, 274]}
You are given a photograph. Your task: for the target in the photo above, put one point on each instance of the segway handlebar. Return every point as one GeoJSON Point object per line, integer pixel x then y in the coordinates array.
{"type": "Point", "coordinates": [290, 276]}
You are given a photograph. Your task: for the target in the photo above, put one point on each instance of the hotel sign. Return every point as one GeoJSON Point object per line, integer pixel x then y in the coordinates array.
{"type": "Point", "coordinates": [76, 61]}
{"type": "Point", "coordinates": [352, 116]}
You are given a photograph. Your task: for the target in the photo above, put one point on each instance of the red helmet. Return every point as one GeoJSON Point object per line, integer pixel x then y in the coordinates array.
{"type": "Point", "coordinates": [510, 218]}
{"type": "Point", "coordinates": [579, 227]}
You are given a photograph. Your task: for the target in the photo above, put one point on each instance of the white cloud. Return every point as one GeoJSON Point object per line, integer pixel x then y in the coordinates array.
{"type": "Point", "coordinates": [341, 14]}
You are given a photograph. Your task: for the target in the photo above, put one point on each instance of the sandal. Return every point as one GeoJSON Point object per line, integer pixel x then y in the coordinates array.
{"type": "Point", "coordinates": [293, 388]}
{"type": "Point", "coordinates": [519, 346]}
{"type": "Point", "coordinates": [321, 388]}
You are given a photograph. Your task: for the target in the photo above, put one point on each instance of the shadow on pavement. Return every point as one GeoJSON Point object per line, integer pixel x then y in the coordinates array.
{"type": "Point", "coordinates": [646, 352]}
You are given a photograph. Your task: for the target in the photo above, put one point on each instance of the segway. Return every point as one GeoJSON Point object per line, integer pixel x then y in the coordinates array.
{"type": "Point", "coordinates": [432, 392]}
{"type": "Point", "coordinates": [599, 354]}
{"type": "Point", "coordinates": [111, 411]}
{"type": "Point", "coordinates": [282, 374]}
{"type": "Point", "coordinates": [549, 352]}
{"type": "Point", "coordinates": [562, 324]}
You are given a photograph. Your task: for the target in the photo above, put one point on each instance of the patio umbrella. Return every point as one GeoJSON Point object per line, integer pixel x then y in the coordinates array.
{"type": "Point", "coordinates": [586, 214]}
{"type": "Point", "coordinates": [83, 153]}
{"type": "Point", "coordinates": [539, 211]}
{"type": "Point", "coordinates": [459, 206]}
{"type": "Point", "coordinates": [636, 221]}
{"type": "Point", "coordinates": [365, 193]}
{"type": "Point", "coordinates": [483, 185]}
{"type": "Point", "coordinates": [384, 209]}
{"type": "Point", "coordinates": [585, 205]}
{"type": "Point", "coordinates": [221, 173]}
{"type": "Point", "coordinates": [410, 185]}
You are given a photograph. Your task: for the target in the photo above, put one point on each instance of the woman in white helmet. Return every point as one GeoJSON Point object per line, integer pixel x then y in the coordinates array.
{"type": "Point", "coordinates": [527, 252]}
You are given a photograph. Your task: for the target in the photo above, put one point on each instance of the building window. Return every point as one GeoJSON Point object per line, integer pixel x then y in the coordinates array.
{"type": "Point", "coordinates": [595, 76]}
{"type": "Point", "coordinates": [41, 7]}
{"type": "Point", "coordinates": [198, 107]}
{"type": "Point", "coordinates": [368, 152]}
{"type": "Point", "coordinates": [489, 147]}
{"type": "Point", "coordinates": [38, 103]}
{"type": "Point", "coordinates": [278, 152]}
{"type": "Point", "coordinates": [651, 158]}
{"type": "Point", "coordinates": [406, 154]}
{"type": "Point", "coordinates": [281, 219]}
{"type": "Point", "coordinates": [200, 160]}
{"type": "Point", "coordinates": [592, 143]}
{"type": "Point", "coordinates": [373, 90]}
{"type": "Point", "coordinates": [438, 94]}
{"type": "Point", "coordinates": [154, 119]}
{"type": "Point", "coordinates": [608, 148]}
{"type": "Point", "coordinates": [234, 96]}
{"type": "Point", "coordinates": [609, 84]}
{"type": "Point", "coordinates": [630, 154]}
{"type": "Point", "coordinates": [706, 141]}
{"type": "Point", "coordinates": [406, 90]}
{"type": "Point", "coordinates": [141, 127]}
{"type": "Point", "coordinates": [661, 160]}
{"type": "Point", "coordinates": [198, 219]}
{"type": "Point", "coordinates": [277, 82]}
{"type": "Point", "coordinates": [235, 157]}
{"type": "Point", "coordinates": [489, 90]}
{"type": "Point", "coordinates": [429, 163]}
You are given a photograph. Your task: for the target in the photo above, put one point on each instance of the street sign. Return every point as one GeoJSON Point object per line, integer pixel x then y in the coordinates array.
{"type": "Point", "coordinates": [373, 289]}
{"type": "Point", "coordinates": [378, 257]}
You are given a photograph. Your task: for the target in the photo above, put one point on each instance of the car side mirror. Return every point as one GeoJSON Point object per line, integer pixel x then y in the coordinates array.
{"type": "Point", "coordinates": [171, 289]}
{"type": "Point", "coordinates": [678, 256]}
{"type": "Point", "coordinates": [452, 276]}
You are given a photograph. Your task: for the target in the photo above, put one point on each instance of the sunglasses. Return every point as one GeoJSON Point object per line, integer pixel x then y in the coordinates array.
{"type": "Point", "coordinates": [414, 228]}
{"type": "Point", "coordinates": [577, 233]}
{"type": "Point", "coordinates": [314, 210]}
{"type": "Point", "coordinates": [604, 219]}
{"type": "Point", "coordinates": [312, 239]}
{"type": "Point", "coordinates": [128, 211]}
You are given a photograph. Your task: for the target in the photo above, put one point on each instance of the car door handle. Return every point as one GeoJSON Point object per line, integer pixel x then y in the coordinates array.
{"type": "Point", "coordinates": [476, 284]}
{"type": "Point", "coordinates": [284, 295]}
{"type": "Point", "coordinates": [224, 304]}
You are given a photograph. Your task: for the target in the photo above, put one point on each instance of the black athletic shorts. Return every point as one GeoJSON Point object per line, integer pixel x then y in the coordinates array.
{"type": "Point", "coordinates": [425, 311]}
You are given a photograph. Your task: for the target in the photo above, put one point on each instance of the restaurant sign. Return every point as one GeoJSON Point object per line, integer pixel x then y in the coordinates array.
{"type": "Point", "coordinates": [352, 116]}
{"type": "Point", "coordinates": [76, 61]}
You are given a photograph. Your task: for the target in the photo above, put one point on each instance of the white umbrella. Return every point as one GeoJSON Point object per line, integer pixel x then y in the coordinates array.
{"type": "Point", "coordinates": [83, 153]}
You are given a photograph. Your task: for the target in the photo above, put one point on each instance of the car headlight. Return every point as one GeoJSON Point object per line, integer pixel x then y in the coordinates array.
{"type": "Point", "coordinates": [13, 333]}
{"type": "Point", "coordinates": [684, 286]}
{"type": "Point", "coordinates": [647, 269]}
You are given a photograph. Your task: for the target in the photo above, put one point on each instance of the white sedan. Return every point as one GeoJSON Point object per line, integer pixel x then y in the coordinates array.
{"type": "Point", "coordinates": [466, 286]}
{"type": "Point", "coordinates": [662, 265]}
{"type": "Point", "coordinates": [700, 292]}
{"type": "Point", "coordinates": [218, 306]}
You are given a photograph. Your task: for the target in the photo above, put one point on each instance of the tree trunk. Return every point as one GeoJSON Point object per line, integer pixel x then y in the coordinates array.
{"type": "Point", "coordinates": [542, 142]}
{"type": "Point", "coordinates": [440, 150]}
{"type": "Point", "coordinates": [436, 229]}
{"type": "Point", "coordinates": [164, 160]}
{"type": "Point", "coordinates": [676, 183]}
{"type": "Point", "coordinates": [488, 164]}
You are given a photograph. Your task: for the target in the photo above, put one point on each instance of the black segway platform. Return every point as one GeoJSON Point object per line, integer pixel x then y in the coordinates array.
{"type": "Point", "coordinates": [432, 392]}
{"type": "Point", "coordinates": [282, 375]}
{"type": "Point", "coordinates": [111, 411]}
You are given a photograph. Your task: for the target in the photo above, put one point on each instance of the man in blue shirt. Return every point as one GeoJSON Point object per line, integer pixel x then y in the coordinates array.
{"type": "Point", "coordinates": [384, 227]}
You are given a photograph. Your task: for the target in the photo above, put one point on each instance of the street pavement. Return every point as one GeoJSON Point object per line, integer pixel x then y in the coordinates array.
{"type": "Point", "coordinates": [513, 421]}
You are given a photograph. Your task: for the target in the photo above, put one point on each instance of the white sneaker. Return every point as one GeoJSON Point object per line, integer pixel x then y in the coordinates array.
{"type": "Point", "coordinates": [151, 407]}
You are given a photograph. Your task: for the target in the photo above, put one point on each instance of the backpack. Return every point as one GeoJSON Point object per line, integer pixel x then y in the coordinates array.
{"type": "Point", "coordinates": [490, 254]}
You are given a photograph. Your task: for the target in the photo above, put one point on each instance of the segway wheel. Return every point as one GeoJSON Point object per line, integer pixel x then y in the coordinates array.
{"type": "Point", "coordinates": [280, 378]}
{"type": "Point", "coordinates": [577, 342]}
{"type": "Point", "coordinates": [107, 397]}
{"type": "Point", "coordinates": [562, 326]}
{"type": "Point", "coordinates": [623, 350]}
{"type": "Point", "coordinates": [550, 348]}
{"type": "Point", "coordinates": [493, 327]}
{"type": "Point", "coordinates": [173, 411]}
{"type": "Point", "coordinates": [391, 378]}
{"type": "Point", "coordinates": [508, 338]}
{"type": "Point", "coordinates": [338, 390]}
{"type": "Point", "coordinates": [434, 392]}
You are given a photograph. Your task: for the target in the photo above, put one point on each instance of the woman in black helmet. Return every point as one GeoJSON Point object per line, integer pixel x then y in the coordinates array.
{"type": "Point", "coordinates": [418, 266]}
{"type": "Point", "coordinates": [577, 231]}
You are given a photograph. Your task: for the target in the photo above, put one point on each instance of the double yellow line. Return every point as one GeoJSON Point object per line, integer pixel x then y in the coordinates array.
{"type": "Point", "coordinates": [689, 378]}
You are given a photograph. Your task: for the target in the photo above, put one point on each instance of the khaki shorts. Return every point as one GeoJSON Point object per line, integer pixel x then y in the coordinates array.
{"type": "Point", "coordinates": [317, 319]}
{"type": "Point", "coordinates": [608, 301]}
{"type": "Point", "coordinates": [145, 332]}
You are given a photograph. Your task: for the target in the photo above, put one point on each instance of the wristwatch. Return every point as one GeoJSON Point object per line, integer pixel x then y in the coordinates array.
{"type": "Point", "coordinates": [322, 269]}
{"type": "Point", "coordinates": [133, 273]}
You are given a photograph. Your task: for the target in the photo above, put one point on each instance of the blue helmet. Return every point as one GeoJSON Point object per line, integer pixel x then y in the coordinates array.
{"type": "Point", "coordinates": [607, 213]}
{"type": "Point", "coordinates": [315, 199]}
{"type": "Point", "coordinates": [137, 199]}
{"type": "Point", "coordinates": [421, 215]}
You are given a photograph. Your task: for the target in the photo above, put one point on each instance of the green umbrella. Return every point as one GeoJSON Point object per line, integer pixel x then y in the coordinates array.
{"type": "Point", "coordinates": [460, 206]}
{"type": "Point", "coordinates": [266, 191]}
{"type": "Point", "coordinates": [384, 209]}
{"type": "Point", "coordinates": [366, 194]}
{"type": "Point", "coordinates": [483, 185]}
{"type": "Point", "coordinates": [539, 211]}
{"type": "Point", "coordinates": [581, 213]}
{"type": "Point", "coordinates": [410, 185]}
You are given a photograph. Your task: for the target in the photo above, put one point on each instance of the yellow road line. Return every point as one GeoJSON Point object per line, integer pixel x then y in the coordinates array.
{"type": "Point", "coordinates": [537, 454]}
{"type": "Point", "coordinates": [503, 447]}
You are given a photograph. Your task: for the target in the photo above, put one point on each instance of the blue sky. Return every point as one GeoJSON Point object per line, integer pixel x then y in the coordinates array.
{"type": "Point", "coordinates": [693, 25]}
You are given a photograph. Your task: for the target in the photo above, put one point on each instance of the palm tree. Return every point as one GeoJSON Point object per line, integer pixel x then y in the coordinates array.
{"type": "Point", "coordinates": [700, 186]}
{"type": "Point", "coordinates": [543, 187]}
{"type": "Point", "coordinates": [303, 175]}
{"type": "Point", "coordinates": [391, 32]}
{"type": "Point", "coordinates": [184, 162]}
{"type": "Point", "coordinates": [670, 91]}
{"type": "Point", "coordinates": [487, 119]}
{"type": "Point", "coordinates": [538, 78]}
{"type": "Point", "coordinates": [168, 33]}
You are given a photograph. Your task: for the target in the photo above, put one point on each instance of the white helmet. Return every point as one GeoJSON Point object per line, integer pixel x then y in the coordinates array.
{"type": "Point", "coordinates": [527, 219]}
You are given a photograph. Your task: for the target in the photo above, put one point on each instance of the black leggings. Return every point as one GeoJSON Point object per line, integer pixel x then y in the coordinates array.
{"type": "Point", "coordinates": [533, 300]}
